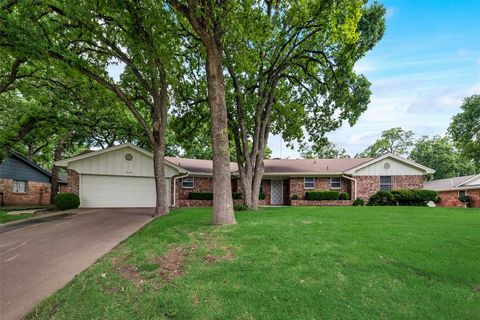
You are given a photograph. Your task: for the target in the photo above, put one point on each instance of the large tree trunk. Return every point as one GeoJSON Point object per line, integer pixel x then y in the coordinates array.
{"type": "Point", "coordinates": [161, 207]}
{"type": "Point", "coordinates": [159, 115]}
{"type": "Point", "coordinates": [59, 148]}
{"type": "Point", "coordinates": [222, 187]}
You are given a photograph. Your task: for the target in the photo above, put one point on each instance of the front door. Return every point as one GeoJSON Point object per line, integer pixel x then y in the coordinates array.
{"type": "Point", "coordinates": [277, 191]}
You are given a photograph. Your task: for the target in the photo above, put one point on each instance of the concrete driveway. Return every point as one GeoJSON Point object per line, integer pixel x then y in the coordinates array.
{"type": "Point", "coordinates": [39, 257]}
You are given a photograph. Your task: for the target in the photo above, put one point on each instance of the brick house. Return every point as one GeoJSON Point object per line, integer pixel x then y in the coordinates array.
{"type": "Point", "coordinates": [22, 182]}
{"type": "Point", "coordinates": [451, 189]}
{"type": "Point", "coordinates": [286, 181]}
{"type": "Point", "coordinates": [122, 176]}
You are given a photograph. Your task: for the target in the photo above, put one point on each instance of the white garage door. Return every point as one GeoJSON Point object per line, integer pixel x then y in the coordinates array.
{"type": "Point", "coordinates": [117, 191]}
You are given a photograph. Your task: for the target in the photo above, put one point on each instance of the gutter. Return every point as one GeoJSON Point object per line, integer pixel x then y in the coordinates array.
{"type": "Point", "coordinates": [453, 188]}
{"type": "Point", "coordinates": [175, 186]}
{"type": "Point", "coordinates": [355, 183]}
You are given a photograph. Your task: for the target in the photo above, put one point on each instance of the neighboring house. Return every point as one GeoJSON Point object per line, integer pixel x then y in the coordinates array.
{"type": "Point", "coordinates": [451, 189]}
{"type": "Point", "coordinates": [122, 176]}
{"type": "Point", "coordinates": [22, 182]}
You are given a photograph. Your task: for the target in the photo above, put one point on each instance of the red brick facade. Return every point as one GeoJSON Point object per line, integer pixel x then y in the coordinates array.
{"type": "Point", "coordinates": [321, 184]}
{"type": "Point", "coordinates": [203, 184]}
{"type": "Point", "coordinates": [200, 184]}
{"type": "Point", "coordinates": [73, 185]}
{"type": "Point", "coordinates": [38, 193]}
{"type": "Point", "coordinates": [450, 198]}
{"type": "Point", "coordinates": [368, 185]}
{"type": "Point", "coordinates": [321, 203]}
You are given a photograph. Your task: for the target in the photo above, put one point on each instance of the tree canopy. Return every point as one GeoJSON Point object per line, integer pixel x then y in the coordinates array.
{"type": "Point", "coordinates": [465, 128]}
{"type": "Point", "coordinates": [395, 140]}
{"type": "Point", "coordinates": [440, 154]}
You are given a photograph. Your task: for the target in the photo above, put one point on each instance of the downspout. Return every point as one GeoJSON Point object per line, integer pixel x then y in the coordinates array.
{"type": "Point", "coordinates": [355, 184]}
{"type": "Point", "coordinates": [175, 186]}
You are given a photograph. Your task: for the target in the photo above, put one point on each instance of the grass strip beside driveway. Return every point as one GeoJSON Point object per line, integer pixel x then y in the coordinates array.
{"type": "Point", "coordinates": [5, 217]}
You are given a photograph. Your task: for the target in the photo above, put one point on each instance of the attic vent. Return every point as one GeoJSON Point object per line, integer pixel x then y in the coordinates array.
{"type": "Point", "coordinates": [386, 165]}
{"type": "Point", "coordinates": [128, 157]}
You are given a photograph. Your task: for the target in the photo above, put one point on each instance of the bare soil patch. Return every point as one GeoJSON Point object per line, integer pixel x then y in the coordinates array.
{"type": "Point", "coordinates": [171, 263]}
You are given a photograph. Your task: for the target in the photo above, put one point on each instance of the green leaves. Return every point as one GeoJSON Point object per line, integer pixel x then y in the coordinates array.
{"type": "Point", "coordinates": [440, 154]}
{"type": "Point", "coordinates": [395, 140]}
{"type": "Point", "coordinates": [465, 128]}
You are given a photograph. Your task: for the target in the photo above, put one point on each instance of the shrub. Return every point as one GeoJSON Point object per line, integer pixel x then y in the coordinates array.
{"type": "Point", "coordinates": [237, 195]}
{"type": "Point", "coordinates": [322, 195]}
{"type": "Point", "coordinates": [261, 196]}
{"type": "Point", "coordinates": [406, 197]}
{"type": "Point", "coordinates": [427, 195]}
{"type": "Point", "coordinates": [344, 196]}
{"type": "Point", "coordinates": [359, 202]}
{"type": "Point", "coordinates": [67, 201]}
{"type": "Point", "coordinates": [240, 207]}
{"type": "Point", "coordinates": [414, 197]}
{"type": "Point", "coordinates": [465, 199]}
{"type": "Point", "coordinates": [200, 196]}
{"type": "Point", "coordinates": [295, 197]}
{"type": "Point", "coordinates": [382, 198]}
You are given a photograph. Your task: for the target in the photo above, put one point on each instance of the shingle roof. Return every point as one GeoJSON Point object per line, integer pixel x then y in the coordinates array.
{"type": "Point", "coordinates": [197, 165]}
{"type": "Point", "coordinates": [444, 184]}
{"type": "Point", "coordinates": [313, 165]}
{"type": "Point", "coordinates": [278, 166]}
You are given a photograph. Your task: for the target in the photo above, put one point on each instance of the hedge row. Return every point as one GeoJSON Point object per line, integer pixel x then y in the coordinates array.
{"type": "Point", "coordinates": [413, 197]}
{"type": "Point", "coordinates": [326, 195]}
{"type": "Point", "coordinates": [200, 195]}
{"type": "Point", "coordinates": [209, 195]}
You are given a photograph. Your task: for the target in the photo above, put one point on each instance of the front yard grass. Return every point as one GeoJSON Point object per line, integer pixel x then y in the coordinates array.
{"type": "Point", "coordinates": [5, 217]}
{"type": "Point", "coordinates": [286, 263]}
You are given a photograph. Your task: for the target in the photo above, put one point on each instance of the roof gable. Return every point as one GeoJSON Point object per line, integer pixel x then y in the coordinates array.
{"type": "Point", "coordinates": [471, 181]}
{"type": "Point", "coordinates": [89, 155]}
{"type": "Point", "coordinates": [453, 183]}
{"type": "Point", "coordinates": [19, 168]}
{"type": "Point", "coordinates": [383, 166]}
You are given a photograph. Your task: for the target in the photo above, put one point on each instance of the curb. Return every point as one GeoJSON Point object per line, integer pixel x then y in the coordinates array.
{"type": "Point", "coordinates": [35, 218]}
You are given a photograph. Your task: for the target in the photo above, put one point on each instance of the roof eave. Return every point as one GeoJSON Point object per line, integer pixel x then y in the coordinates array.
{"type": "Point", "coordinates": [426, 170]}
{"type": "Point", "coordinates": [468, 180]}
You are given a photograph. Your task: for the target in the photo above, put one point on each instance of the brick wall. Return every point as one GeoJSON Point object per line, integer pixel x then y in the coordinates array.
{"type": "Point", "coordinates": [203, 184]}
{"type": "Point", "coordinates": [200, 184]}
{"type": "Point", "coordinates": [73, 185]}
{"type": "Point", "coordinates": [321, 203]}
{"type": "Point", "coordinates": [368, 185]}
{"type": "Point", "coordinates": [321, 184]}
{"type": "Point", "coordinates": [267, 189]}
{"type": "Point", "coordinates": [200, 203]}
{"type": "Point", "coordinates": [450, 198]}
{"type": "Point", "coordinates": [38, 193]}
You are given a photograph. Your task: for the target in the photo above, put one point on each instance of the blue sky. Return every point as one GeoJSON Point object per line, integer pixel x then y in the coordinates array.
{"type": "Point", "coordinates": [426, 63]}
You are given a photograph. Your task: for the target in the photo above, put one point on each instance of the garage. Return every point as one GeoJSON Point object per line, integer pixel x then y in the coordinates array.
{"type": "Point", "coordinates": [114, 191]}
{"type": "Point", "coordinates": [117, 177]}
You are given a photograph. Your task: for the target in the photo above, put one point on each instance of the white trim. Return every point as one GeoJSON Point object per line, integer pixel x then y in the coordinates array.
{"type": "Point", "coordinates": [385, 184]}
{"type": "Point", "coordinates": [458, 193]}
{"type": "Point", "coordinates": [453, 188]}
{"type": "Point", "coordinates": [401, 159]}
{"type": "Point", "coordinates": [64, 163]}
{"type": "Point", "coordinates": [175, 188]}
{"type": "Point", "coordinates": [271, 192]}
{"type": "Point", "coordinates": [193, 182]}
{"type": "Point", "coordinates": [468, 180]}
{"type": "Point", "coordinates": [355, 187]}
{"type": "Point", "coordinates": [309, 188]}
{"type": "Point", "coordinates": [335, 188]}
{"type": "Point", "coordinates": [15, 185]}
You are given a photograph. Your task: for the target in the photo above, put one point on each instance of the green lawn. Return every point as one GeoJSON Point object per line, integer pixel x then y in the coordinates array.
{"type": "Point", "coordinates": [286, 263]}
{"type": "Point", "coordinates": [4, 217]}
